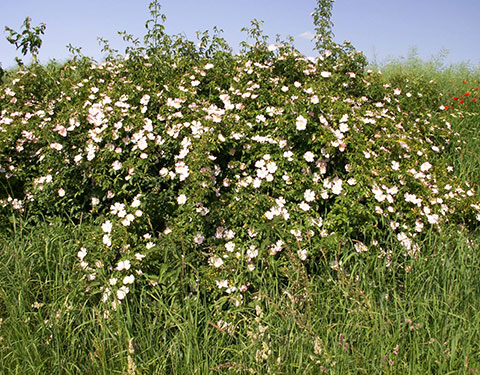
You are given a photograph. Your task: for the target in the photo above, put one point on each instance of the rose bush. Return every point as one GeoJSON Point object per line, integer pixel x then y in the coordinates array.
{"type": "Point", "coordinates": [228, 168]}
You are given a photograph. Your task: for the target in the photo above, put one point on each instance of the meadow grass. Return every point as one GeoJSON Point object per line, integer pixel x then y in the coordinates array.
{"type": "Point", "coordinates": [356, 315]}
{"type": "Point", "coordinates": [361, 319]}
{"type": "Point", "coordinates": [451, 79]}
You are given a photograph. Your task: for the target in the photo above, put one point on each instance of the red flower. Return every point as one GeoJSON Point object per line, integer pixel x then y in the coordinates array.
{"type": "Point", "coordinates": [455, 98]}
{"type": "Point", "coordinates": [461, 101]}
{"type": "Point", "coordinates": [474, 100]}
{"type": "Point", "coordinates": [467, 93]}
{"type": "Point", "coordinates": [464, 81]}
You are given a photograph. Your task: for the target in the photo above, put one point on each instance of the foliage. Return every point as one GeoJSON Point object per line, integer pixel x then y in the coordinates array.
{"type": "Point", "coordinates": [29, 40]}
{"type": "Point", "coordinates": [220, 169]}
{"type": "Point", "coordinates": [322, 19]}
{"type": "Point", "coordinates": [215, 196]}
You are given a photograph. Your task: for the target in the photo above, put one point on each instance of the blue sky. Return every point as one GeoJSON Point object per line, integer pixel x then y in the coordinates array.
{"type": "Point", "coordinates": [382, 29]}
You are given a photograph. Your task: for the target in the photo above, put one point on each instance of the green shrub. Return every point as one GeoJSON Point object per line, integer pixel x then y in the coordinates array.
{"type": "Point", "coordinates": [220, 170]}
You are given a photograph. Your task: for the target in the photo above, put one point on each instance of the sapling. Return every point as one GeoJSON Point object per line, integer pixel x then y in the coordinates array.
{"type": "Point", "coordinates": [28, 40]}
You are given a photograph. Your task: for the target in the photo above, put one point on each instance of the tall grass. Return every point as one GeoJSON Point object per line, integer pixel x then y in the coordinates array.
{"type": "Point", "coordinates": [362, 318]}
{"type": "Point", "coordinates": [448, 77]}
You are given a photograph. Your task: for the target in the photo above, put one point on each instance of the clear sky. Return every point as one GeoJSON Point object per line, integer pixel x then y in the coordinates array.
{"type": "Point", "coordinates": [382, 29]}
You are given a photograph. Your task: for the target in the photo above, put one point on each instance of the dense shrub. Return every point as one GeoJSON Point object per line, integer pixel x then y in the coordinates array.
{"type": "Point", "coordinates": [230, 168]}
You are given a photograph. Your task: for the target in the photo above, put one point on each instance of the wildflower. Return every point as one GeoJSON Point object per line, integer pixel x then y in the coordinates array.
{"type": "Point", "coordinates": [126, 222]}
{"type": "Point", "coordinates": [302, 254]}
{"type": "Point", "coordinates": [404, 240]}
{"type": "Point", "coordinates": [309, 195]}
{"type": "Point", "coordinates": [61, 192]}
{"type": "Point", "coordinates": [122, 292]}
{"type": "Point", "coordinates": [277, 247]}
{"type": "Point", "coordinates": [280, 201]}
{"type": "Point", "coordinates": [128, 279]}
{"type": "Point", "coordinates": [116, 165]}
{"type": "Point", "coordinates": [175, 103]}
{"type": "Point", "coordinates": [107, 226]}
{"type": "Point", "coordinates": [145, 99]}
{"type": "Point", "coordinates": [217, 262]}
{"type": "Point", "coordinates": [324, 194]}
{"type": "Point", "coordinates": [182, 199]}
{"type": "Point", "coordinates": [107, 241]}
{"type": "Point", "coordinates": [82, 253]}
{"type": "Point", "coordinates": [77, 158]}
{"type": "Point", "coordinates": [260, 118]}
{"type": "Point", "coordinates": [136, 202]}
{"type": "Point", "coordinates": [230, 246]}
{"type": "Point", "coordinates": [378, 193]}
{"type": "Point", "coordinates": [56, 146]}
{"type": "Point", "coordinates": [118, 209]}
{"type": "Point", "coordinates": [418, 226]}
{"type": "Point", "coordinates": [301, 123]}
{"type": "Point", "coordinates": [142, 144]}
{"type": "Point", "coordinates": [309, 157]}
{"type": "Point", "coordinates": [352, 181]}
{"type": "Point", "coordinates": [337, 186]}
{"type": "Point", "coordinates": [288, 155]}
{"type": "Point", "coordinates": [181, 169]}
{"type": "Point", "coordinates": [262, 173]}
{"type": "Point", "coordinates": [425, 166]}
{"type": "Point", "coordinates": [269, 215]}
{"type": "Point", "coordinates": [252, 252]}
{"type": "Point", "coordinates": [163, 172]}
{"type": "Point", "coordinates": [139, 256]}
{"type": "Point", "coordinates": [123, 265]}
{"type": "Point", "coordinates": [198, 239]}
{"type": "Point", "coordinates": [360, 247]}
{"type": "Point", "coordinates": [433, 219]}
{"type": "Point", "coordinates": [304, 206]}
{"type": "Point", "coordinates": [222, 284]}
{"type": "Point", "coordinates": [325, 74]}
{"type": "Point", "coordinates": [272, 167]}
{"type": "Point", "coordinates": [344, 127]}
